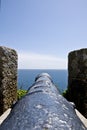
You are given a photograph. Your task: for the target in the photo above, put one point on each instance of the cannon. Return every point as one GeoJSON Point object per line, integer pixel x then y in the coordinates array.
{"type": "Point", "coordinates": [43, 108]}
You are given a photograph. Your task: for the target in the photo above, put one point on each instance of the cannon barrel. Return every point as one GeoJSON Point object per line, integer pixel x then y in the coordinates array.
{"type": "Point", "coordinates": [43, 108]}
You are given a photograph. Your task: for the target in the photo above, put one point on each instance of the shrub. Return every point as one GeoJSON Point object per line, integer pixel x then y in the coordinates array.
{"type": "Point", "coordinates": [21, 93]}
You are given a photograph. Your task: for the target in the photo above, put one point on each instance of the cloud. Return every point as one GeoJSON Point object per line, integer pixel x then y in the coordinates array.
{"type": "Point", "coordinates": [40, 61]}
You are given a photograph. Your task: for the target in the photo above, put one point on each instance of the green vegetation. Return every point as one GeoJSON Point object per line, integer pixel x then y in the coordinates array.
{"type": "Point", "coordinates": [64, 94]}
{"type": "Point", "coordinates": [21, 93]}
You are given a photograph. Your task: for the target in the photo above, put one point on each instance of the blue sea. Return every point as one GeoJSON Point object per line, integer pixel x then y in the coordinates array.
{"type": "Point", "coordinates": [26, 77]}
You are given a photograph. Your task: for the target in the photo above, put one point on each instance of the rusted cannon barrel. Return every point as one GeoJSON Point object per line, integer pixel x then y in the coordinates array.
{"type": "Point", "coordinates": [43, 108]}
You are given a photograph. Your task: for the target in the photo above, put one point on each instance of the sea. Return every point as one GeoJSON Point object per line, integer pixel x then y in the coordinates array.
{"type": "Point", "coordinates": [26, 77]}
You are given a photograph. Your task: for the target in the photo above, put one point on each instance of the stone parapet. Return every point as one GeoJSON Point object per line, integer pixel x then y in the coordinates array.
{"type": "Point", "coordinates": [8, 78]}
{"type": "Point", "coordinates": [77, 79]}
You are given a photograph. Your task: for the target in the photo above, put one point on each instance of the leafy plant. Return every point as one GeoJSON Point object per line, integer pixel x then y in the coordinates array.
{"type": "Point", "coordinates": [64, 94]}
{"type": "Point", "coordinates": [21, 93]}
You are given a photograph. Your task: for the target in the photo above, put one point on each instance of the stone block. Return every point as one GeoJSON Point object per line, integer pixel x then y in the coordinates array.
{"type": "Point", "coordinates": [77, 79]}
{"type": "Point", "coordinates": [8, 78]}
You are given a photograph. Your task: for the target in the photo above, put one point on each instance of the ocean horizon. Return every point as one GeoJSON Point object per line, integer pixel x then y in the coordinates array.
{"type": "Point", "coordinates": [26, 77]}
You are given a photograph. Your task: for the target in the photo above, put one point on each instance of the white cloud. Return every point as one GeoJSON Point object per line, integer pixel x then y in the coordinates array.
{"type": "Point", "coordinates": [40, 61]}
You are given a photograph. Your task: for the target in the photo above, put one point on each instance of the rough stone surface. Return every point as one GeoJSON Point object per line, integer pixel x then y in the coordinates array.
{"type": "Point", "coordinates": [77, 80]}
{"type": "Point", "coordinates": [8, 78]}
{"type": "Point", "coordinates": [43, 108]}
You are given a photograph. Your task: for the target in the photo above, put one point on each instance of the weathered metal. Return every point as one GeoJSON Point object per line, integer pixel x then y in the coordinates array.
{"type": "Point", "coordinates": [43, 108]}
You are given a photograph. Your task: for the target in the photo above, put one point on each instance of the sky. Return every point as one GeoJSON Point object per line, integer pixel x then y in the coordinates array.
{"type": "Point", "coordinates": [43, 32]}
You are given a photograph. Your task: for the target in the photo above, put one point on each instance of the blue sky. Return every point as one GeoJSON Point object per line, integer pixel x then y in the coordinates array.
{"type": "Point", "coordinates": [43, 31]}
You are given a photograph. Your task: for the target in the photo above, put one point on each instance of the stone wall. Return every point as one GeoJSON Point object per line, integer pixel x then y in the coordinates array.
{"type": "Point", "coordinates": [77, 79]}
{"type": "Point", "coordinates": [8, 78]}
